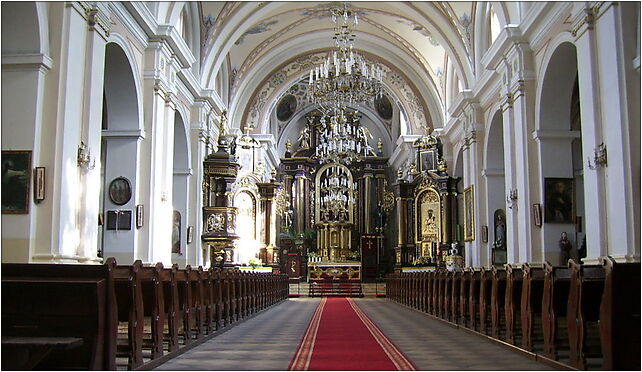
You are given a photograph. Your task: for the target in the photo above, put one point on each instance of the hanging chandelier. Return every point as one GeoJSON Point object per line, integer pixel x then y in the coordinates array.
{"type": "Point", "coordinates": [336, 193]}
{"type": "Point", "coordinates": [344, 78]}
{"type": "Point", "coordinates": [342, 139]}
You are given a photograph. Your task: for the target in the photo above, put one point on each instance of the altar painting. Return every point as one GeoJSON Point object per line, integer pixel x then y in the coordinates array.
{"type": "Point", "coordinates": [428, 221]}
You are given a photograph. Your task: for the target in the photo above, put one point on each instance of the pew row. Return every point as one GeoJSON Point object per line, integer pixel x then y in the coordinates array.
{"type": "Point", "coordinates": [578, 316]}
{"type": "Point", "coordinates": [108, 317]}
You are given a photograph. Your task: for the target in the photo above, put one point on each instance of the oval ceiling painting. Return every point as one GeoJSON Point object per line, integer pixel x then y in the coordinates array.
{"type": "Point", "coordinates": [286, 107]}
{"type": "Point", "coordinates": [384, 107]}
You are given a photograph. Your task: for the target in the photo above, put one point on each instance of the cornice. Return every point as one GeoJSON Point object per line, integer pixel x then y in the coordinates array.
{"type": "Point", "coordinates": [177, 44]}
{"type": "Point", "coordinates": [125, 17]}
{"type": "Point", "coordinates": [26, 62]}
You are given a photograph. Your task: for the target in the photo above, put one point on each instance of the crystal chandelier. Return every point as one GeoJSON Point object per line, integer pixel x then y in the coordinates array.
{"type": "Point", "coordinates": [336, 193]}
{"type": "Point", "coordinates": [342, 139]}
{"type": "Point", "coordinates": [345, 78]}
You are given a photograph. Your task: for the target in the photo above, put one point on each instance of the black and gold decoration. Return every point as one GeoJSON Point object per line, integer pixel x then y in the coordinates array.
{"type": "Point", "coordinates": [219, 217]}
{"type": "Point", "coordinates": [426, 209]}
{"type": "Point", "coordinates": [333, 214]}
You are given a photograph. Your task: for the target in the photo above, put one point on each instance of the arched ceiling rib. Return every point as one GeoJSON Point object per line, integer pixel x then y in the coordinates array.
{"type": "Point", "coordinates": [417, 38]}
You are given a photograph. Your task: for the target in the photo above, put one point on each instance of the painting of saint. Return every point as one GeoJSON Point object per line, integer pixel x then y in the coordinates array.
{"type": "Point", "coordinates": [16, 172]}
{"type": "Point", "coordinates": [559, 200]}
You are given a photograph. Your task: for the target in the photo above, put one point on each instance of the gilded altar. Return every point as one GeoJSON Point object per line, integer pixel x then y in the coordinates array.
{"type": "Point", "coordinates": [334, 271]}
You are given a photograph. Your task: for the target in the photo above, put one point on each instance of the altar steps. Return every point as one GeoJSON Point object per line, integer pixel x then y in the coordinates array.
{"type": "Point", "coordinates": [367, 289]}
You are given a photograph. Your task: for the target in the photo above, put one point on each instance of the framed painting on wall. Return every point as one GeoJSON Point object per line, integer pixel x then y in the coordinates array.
{"type": "Point", "coordinates": [559, 194]}
{"type": "Point", "coordinates": [16, 175]}
{"type": "Point", "coordinates": [469, 214]}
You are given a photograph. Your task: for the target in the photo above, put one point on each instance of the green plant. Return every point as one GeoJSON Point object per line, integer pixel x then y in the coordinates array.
{"type": "Point", "coordinates": [253, 263]}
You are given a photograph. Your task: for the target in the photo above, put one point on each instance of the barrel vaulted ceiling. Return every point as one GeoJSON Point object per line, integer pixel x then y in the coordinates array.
{"type": "Point", "coordinates": [266, 47]}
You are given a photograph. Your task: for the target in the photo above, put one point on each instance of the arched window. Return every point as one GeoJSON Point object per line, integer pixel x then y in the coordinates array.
{"type": "Point", "coordinates": [182, 25]}
{"type": "Point", "coordinates": [493, 26]}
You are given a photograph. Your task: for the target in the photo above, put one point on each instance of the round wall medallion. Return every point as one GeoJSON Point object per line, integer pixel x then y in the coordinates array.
{"type": "Point", "coordinates": [286, 107]}
{"type": "Point", "coordinates": [120, 191]}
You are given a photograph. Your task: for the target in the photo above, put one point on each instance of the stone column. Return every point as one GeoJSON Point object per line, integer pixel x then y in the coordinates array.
{"type": "Point", "coordinates": [267, 191]}
{"type": "Point", "coordinates": [603, 74]}
{"type": "Point", "coordinates": [367, 203]}
{"type": "Point", "coordinates": [403, 248]}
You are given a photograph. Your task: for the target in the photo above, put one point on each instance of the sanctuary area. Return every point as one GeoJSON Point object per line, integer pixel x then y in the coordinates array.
{"type": "Point", "coordinates": [180, 176]}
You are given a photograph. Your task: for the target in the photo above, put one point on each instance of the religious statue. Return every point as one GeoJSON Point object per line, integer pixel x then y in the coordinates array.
{"type": "Point", "coordinates": [500, 233]}
{"type": "Point", "coordinates": [304, 138]}
{"type": "Point", "coordinates": [399, 173]}
{"type": "Point", "coordinates": [413, 169]}
{"type": "Point", "coordinates": [379, 147]}
{"type": "Point", "coordinates": [223, 130]}
{"type": "Point", "coordinates": [581, 253]}
{"type": "Point", "coordinates": [565, 248]}
{"type": "Point", "coordinates": [288, 146]}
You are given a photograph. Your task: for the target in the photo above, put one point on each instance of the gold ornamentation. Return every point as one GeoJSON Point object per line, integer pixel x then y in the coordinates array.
{"type": "Point", "coordinates": [469, 214]}
{"type": "Point", "coordinates": [215, 223]}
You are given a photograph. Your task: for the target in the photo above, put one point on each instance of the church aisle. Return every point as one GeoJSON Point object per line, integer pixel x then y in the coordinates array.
{"type": "Point", "coordinates": [269, 341]}
{"type": "Point", "coordinates": [434, 345]}
{"type": "Point", "coordinates": [265, 342]}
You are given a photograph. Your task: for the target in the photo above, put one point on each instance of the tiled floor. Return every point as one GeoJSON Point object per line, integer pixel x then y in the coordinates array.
{"type": "Point", "coordinates": [268, 341]}
{"type": "Point", "coordinates": [264, 342]}
{"type": "Point", "coordinates": [434, 345]}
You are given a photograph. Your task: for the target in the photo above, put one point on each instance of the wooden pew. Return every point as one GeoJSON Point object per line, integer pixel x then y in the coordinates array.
{"type": "Point", "coordinates": [557, 282]}
{"type": "Point", "coordinates": [620, 316]}
{"type": "Point", "coordinates": [447, 291]}
{"type": "Point", "coordinates": [219, 307]}
{"type": "Point", "coordinates": [129, 299]}
{"type": "Point", "coordinates": [185, 313]}
{"type": "Point", "coordinates": [464, 297]}
{"type": "Point", "coordinates": [512, 304]}
{"type": "Point", "coordinates": [497, 303]}
{"type": "Point", "coordinates": [171, 307]}
{"type": "Point", "coordinates": [207, 300]}
{"type": "Point", "coordinates": [153, 308]}
{"type": "Point", "coordinates": [457, 277]}
{"type": "Point", "coordinates": [435, 293]}
{"type": "Point", "coordinates": [48, 301]}
{"type": "Point", "coordinates": [430, 287]}
{"type": "Point", "coordinates": [531, 311]}
{"type": "Point", "coordinates": [474, 299]}
{"type": "Point", "coordinates": [415, 290]}
{"type": "Point", "coordinates": [485, 300]}
{"type": "Point", "coordinates": [423, 302]}
{"type": "Point", "coordinates": [583, 309]}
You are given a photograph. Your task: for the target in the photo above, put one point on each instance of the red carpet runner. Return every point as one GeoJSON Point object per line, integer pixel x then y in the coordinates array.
{"type": "Point", "coordinates": [341, 337]}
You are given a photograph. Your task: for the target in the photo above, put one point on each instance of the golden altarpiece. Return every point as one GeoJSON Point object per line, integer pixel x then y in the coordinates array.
{"type": "Point", "coordinates": [426, 209]}
{"type": "Point", "coordinates": [317, 239]}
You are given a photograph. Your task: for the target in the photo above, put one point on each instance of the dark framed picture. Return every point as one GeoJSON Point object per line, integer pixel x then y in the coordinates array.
{"type": "Point", "coordinates": [469, 214]}
{"type": "Point", "coordinates": [39, 184]}
{"type": "Point", "coordinates": [119, 219]}
{"type": "Point", "coordinates": [190, 234]}
{"type": "Point", "coordinates": [140, 216]}
{"type": "Point", "coordinates": [537, 214]}
{"type": "Point", "coordinates": [16, 175]}
{"type": "Point", "coordinates": [120, 191]}
{"type": "Point", "coordinates": [428, 161]}
{"type": "Point", "coordinates": [559, 195]}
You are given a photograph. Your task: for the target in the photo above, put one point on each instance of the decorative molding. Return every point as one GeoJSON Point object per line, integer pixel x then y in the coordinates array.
{"type": "Point", "coordinates": [177, 44]}
{"type": "Point", "coordinates": [493, 172]}
{"type": "Point", "coordinates": [182, 171]}
{"type": "Point", "coordinates": [544, 134]}
{"type": "Point", "coordinates": [27, 62]}
{"type": "Point", "coordinates": [128, 133]}
{"type": "Point", "coordinates": [123, 15]}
